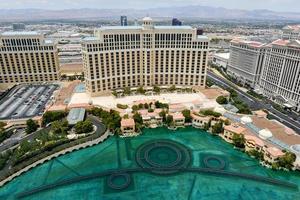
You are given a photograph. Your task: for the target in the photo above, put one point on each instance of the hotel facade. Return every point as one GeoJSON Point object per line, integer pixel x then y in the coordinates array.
{"type": "Point", "coordinates": [280, 78]}
{"type": "Point", "coordinates": [246, 60]}
{"type": "Point", "coordinates": [271, 69]}
{"type": "Point", "coordinates": [27, 57]}
{"type": "Point", "coordinates": [147, 55]}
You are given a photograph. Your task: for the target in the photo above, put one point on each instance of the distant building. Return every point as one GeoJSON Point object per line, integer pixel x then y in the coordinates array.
{"type": "Point", "coordinates": [280, 78]}
{"type": "Point", "coordinates": [147, 55]}
{"type": "Point", "coordinates": [27, 57]}
{"type": "Point", "coordinates": [246, 60]}
{"type": "Point", "coordinates": [221, 59]}
{"type": "Point", "coordinates": [18, 27]}
{"type": "Point", "coordinates": [291, 32]}
{"type": "Point", "coordinates": [123, 20]}
{"type": "Point", "coordinates": [176, 22]}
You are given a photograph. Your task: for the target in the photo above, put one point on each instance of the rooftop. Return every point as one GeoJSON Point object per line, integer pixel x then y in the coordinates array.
{"type": "Point", "coordinates": [235, 128]}
{"type": "Point", "coordinates": [76, 115]}
{"type": "Point", "coordinates": [141, 27]}
{"type": "Point", "coordinates": [20, 33]}
{"type": "Point", "coordinates": [246, 42]}
{"type": "Point", "coordinates": [222, 55]}
{"type": "Point", "coordinates": [254, 139]}
{"type": "Point", "coordinates": [278, 130]}
{"type": "Point", "coordinates": [178, 116]}
{"type": "Point", "coordinates": [274, 151]}
{"type": "Point", "coordinates": [127, 122]}
{"type": "Point", "coordinates": [289, 43]}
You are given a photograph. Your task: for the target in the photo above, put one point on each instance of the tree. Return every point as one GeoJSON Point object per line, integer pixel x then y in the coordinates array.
{"type": "Point", "coordinates": [207, 125]}
{"type": "Point", "coordinates": [51, 116]}
{"type": "Point", "coordinates": [217, 128]}
{"type": "Point", "coordinates": [135, 108]}
{"type": "Point", "coordinates": [163, 114]}
{"type": "Point", "coordinates": [156, 89]}
{"type": "Point", "coordinates": [238, 140]}
{"type": "Point", "coordinates": [127, 91]}
{"type": "Point", "coordinates": [210, 113]}
{"type": "Point", "coordinates": [141, 90]}
{"type": "Point", "coordinates": [169, 120]}
{"type": "Point", "coordinates": [138, 118]}
{"type": "Point", "coordinates": [60, 127]}
{"type": "Point", "coordinates": [31, 126]}
{"type": "Point", "coordinates": [227, 122]}
{"type": "Point", "coordinates": [141, 106]}
{"type": "Point", "coordinates": [161, 105]}
{"type": "Point", "coordinates": [187, 114]}
{"type": "Point", "coordinates": [84, 127]}
{"type": "Point", "coordinates": [222, 100]}
{"type": "Point", "coordinates": [2, 125]}
{"type": "Point", "coordinates": [146, 106]}
{"type": "Point", "coordinates": [172, 88]}
{"type": "Point", "coordinates": [287, 160]}
{"type": "Point", "coordinates": [115, 93]}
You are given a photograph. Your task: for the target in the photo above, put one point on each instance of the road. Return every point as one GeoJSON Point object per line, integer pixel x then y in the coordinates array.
{"type": "Point", "coordinates": [255, 104]}
{"type": "Point", "coordinates": [13, 141]}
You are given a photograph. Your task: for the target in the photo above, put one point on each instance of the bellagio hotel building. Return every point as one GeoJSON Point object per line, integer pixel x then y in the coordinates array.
{"type": "Point", "coordinates": [27, 57]}
{"type": "Point", "coordinates": [147, 55]}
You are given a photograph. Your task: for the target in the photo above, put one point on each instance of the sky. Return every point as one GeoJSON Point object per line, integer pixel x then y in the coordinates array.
{"type": "Point", "coordinates": [276, 5]}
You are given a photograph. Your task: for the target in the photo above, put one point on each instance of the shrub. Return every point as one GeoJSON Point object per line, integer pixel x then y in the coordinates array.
{"type": "Point", "coordinates": [141, 90]}
{"type": "Point", "coordinates": [138, 118]}
{"type": "Point", "coordinates": [161, 105]}
{"type": "Point", "coordinates": [222, 100]}
{"type": "Point", "coordinates": [51, 116]}
{"type": "Point", "coordinates": [84, 127]}
{"type": "Point", "coordinates": [121, 106]}
{"type": "Point", "coordinates": [238, 140]}
{"type": "Point", "coordinates": [217, 128]}
{"type": "Point", "coordinates": [31, 126]}
{"type": "Point", "coordinates": [210, 113]}
{"type": "Point", "coordinates": [169, 120]}
{"type": "Point", "coordinates": [187, 114]}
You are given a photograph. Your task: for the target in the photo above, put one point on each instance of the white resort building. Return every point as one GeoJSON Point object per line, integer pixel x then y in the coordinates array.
{"type": "Point", "coordinates": [280, 78]}
{"type": "Point", "coordinates": [27, 57]}
{"type": "Point", "coordinates": [133, 56]}
{"type": "Point", "coordinates": [246, 60]}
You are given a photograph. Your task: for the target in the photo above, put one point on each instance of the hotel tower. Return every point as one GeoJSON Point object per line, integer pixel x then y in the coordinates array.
{"type": "Point", "coordinates": [27, 57]}
{"type": "Point", "coordinates": [147, 55]}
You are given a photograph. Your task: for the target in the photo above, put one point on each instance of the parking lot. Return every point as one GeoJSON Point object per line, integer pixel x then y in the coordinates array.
{"type": "Point", "coordinates": [26, 101]}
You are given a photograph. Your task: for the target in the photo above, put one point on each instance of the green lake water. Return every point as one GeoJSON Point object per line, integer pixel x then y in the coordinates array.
{"type": "Point", "coordinates": [120, 153]}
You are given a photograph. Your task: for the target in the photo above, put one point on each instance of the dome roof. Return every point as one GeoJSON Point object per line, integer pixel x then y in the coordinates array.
{"type": "Point", "coordinates": [265, 134]}
{"type": "Point", "coordinates": [147, 19]}
{"type": "Point", "coordinates": [246, 120]}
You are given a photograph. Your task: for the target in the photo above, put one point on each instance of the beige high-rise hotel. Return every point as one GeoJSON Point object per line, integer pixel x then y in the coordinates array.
{"type": "Point", "coordinates": [27, 57]}
{"type": "Point", "coordinates": [147, 55]}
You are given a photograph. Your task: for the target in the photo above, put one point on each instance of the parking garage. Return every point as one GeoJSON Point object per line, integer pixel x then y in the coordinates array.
{"type": "Point", "coordinates": [26, 101]}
